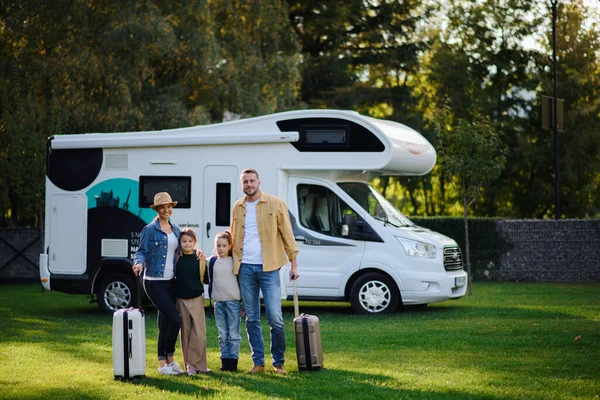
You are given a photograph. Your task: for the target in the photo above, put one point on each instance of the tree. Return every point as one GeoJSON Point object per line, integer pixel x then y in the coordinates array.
{"type": "Point", "coordinates": [478, 63]}
{"type": "Point", "coordinates": [472, 156]}
{"type": "Point", "coordinates": [258, 67]}
{"type": "Point", "coordinates": [578, 83]}
{"type": "Point", "coordinates": [109, 66]}
{"type": "Point", "coordinates": [527, 190]}
{"type": "Point", "coordinates": [325, 29]}
{"type": "Point", "coordinates": [493, 58]}
{"type": "Point", "coordinates": [360, 54]}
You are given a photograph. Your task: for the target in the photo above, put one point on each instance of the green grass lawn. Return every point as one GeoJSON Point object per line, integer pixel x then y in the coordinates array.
{"type": "Point", "coordinates": [507, 341]}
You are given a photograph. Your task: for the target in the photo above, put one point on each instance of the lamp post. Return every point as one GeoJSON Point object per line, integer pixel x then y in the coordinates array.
{"type": "Point", "coordinates": [555, 113]}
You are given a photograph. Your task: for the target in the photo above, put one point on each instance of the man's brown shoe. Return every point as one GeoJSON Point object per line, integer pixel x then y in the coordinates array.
{"type": "Point", "coordinates": [279, 370]}
{"type": "Point", "coordinates": [256, 369]}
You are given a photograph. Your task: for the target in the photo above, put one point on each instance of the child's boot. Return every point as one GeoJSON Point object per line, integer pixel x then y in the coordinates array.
{"type": "Point", "coordinates": [234, 364]}
{"type": "Point", "coordinates": [224, 364]}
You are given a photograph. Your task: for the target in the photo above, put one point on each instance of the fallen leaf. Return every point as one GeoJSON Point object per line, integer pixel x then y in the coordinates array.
{"type": "Point", "coordinates": [577, 338]}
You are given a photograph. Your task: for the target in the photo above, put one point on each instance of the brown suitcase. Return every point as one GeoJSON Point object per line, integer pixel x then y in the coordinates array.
{"type": "Point", "coordinates": [307, 332]}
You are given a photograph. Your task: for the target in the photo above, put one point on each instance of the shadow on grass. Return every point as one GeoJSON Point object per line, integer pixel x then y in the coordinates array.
{"type": "Point", "coordinates": [325, 384]}
{"type": "Point", "coordinates": [180, 385]}
{"type": "Point", "coordinates": [177, 387]}
{"type": "Point", "coordinates": [333, 384]}
{"type": "Point", "coordinates": [79, 394]}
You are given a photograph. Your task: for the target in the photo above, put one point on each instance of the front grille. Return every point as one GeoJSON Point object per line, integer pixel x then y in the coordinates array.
{"type": "Point", "coordinates": [452, 258]}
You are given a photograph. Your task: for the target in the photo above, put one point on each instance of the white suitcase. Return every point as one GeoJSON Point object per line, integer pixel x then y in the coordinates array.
{"type": "Point", "coordinates": [129, 339]}
{"type": "Point", "coordinates": [129, 343]}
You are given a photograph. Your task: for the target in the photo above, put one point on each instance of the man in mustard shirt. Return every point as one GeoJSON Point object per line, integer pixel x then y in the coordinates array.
{"type": "Point", "coordinates": [263, 242]}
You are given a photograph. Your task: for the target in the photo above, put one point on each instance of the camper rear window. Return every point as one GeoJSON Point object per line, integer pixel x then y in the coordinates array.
{"type": "Point", "coordinates": [331, 135]}
{"type": "Point", "coordinates": [179, 187]}
{"type": "Point", "coordinates": [325, 136]}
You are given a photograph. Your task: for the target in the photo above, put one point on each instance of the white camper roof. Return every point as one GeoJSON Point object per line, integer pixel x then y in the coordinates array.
{"type": "Point", "coordinates": [404, 150]}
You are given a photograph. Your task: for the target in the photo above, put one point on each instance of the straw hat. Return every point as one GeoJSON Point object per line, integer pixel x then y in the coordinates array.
{"type": "Point", "coordinates": [162, 198]}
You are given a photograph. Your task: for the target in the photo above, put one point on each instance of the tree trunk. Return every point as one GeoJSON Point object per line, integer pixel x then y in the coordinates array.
{"type": "Point", "coordinates": [384, 182]}
{"type": "Point", "coordinates": [467, 251]}
{"type": "Point", "coordinates": [413, 201]}
{"type": "Point", "coordinates": [426, 201]}
{"type": "Point", "coordinates": [442, 208]}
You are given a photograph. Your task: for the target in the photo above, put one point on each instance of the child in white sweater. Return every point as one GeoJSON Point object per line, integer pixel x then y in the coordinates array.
{"type": "Point", "coordinates": [224, 289]}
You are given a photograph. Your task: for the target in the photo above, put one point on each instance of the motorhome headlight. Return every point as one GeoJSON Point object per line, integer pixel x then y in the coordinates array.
{"type": "Point", "coordinates": [417, 249]}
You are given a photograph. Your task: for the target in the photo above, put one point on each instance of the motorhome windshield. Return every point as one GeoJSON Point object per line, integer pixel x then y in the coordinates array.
{"type": "Point", "coordinates": [375, 204]}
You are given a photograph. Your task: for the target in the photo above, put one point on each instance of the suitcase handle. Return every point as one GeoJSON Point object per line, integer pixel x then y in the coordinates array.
{"type": "Point", "coordinates": [296, 310]}
{"type": "Point", "coordinates": [138, 290]}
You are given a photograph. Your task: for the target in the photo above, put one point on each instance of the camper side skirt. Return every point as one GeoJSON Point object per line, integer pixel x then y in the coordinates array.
{"type": "Point", "coordinates": [73, 284]}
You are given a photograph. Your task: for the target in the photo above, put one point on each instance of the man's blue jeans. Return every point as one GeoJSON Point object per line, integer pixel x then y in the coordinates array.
{"type": "Point", "coordinates": [253, 280]}
{"type": "Point", "coordinates": [227, 317]}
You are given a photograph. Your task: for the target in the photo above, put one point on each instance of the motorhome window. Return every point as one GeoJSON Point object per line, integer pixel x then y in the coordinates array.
{"type": "Point", "coordinates": [374, 203]}
{"type": "Point", "coordinates": [331, 135]}
{"type": "Point", "coordinates": [223, 204]}
{"type": "Point", "coordinates": [179, 187]}
{"type": "Point", "coordinates": [321, 210]}
{"type": "Point", "coordinates": [323, 137]}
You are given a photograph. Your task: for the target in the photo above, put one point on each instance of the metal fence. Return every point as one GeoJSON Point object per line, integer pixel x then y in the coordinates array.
{"type": "Point", "coordinates": [20, 249]}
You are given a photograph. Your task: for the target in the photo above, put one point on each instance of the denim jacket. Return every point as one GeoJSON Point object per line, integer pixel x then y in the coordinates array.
{"type": "Point", "coordinates": [152, 252]}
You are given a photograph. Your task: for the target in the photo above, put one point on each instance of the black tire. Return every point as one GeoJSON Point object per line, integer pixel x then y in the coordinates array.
{"type": "Point", "coordinates": [116, 291]}
{"type": "Point", "coordinates": [374, 293]}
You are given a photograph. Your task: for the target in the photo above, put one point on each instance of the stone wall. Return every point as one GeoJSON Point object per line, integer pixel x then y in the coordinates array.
{"type": "Point", "coordinates": [502, 250]}
{"type": "Point", "coordinates": [527, 250]}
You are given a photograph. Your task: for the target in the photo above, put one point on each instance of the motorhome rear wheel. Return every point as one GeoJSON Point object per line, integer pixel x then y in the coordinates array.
{"type": "Point", "coordinates": [116, 291]}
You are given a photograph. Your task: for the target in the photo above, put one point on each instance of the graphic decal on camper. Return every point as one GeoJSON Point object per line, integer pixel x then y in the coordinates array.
{"type": "Point", "coordinates": [114, 213]}
{"type": "Point", "coordinates": [121, 193]}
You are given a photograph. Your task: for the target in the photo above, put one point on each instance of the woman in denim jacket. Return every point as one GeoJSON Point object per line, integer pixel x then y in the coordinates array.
{"type": "Point", "coordinates": [157, 255]}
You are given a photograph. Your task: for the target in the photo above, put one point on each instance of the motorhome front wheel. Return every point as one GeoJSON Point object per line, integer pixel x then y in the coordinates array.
{"type": "Point", "coordinates": [374, 293]}
{"type": "Point", "coordinates": [115, 292]}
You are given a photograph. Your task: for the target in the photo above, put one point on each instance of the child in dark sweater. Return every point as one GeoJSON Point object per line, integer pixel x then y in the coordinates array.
{"type": "Point", "coordinates": [189, 290]}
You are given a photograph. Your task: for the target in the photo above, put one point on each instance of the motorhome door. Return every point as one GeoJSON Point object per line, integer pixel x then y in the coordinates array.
{"type": "Point", "coordinates": [326, 253]}
{"type": "Point", "coordinates": [68, 234]}
{"type": "Point", "coordinates": [221, 183]}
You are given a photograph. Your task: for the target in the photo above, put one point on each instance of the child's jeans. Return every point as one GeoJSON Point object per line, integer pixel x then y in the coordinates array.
{"type": "Point", "coordinates": [227, 317]}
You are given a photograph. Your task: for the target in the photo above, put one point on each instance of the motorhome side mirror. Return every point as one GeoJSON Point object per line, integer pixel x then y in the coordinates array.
{"type": "Point", "coordinates": [348, 221]}
{"type": "Point", "coordinates": [345, 230]}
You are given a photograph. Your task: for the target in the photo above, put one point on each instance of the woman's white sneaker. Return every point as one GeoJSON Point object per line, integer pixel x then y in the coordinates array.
{"type": "Point", "coordinates": [176, 367]}
{"type": "Point", "coordinates": [167, 370]}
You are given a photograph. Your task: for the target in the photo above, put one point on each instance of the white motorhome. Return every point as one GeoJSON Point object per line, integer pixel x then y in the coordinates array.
{"type": "Point", "coordinates": [354, 245]}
